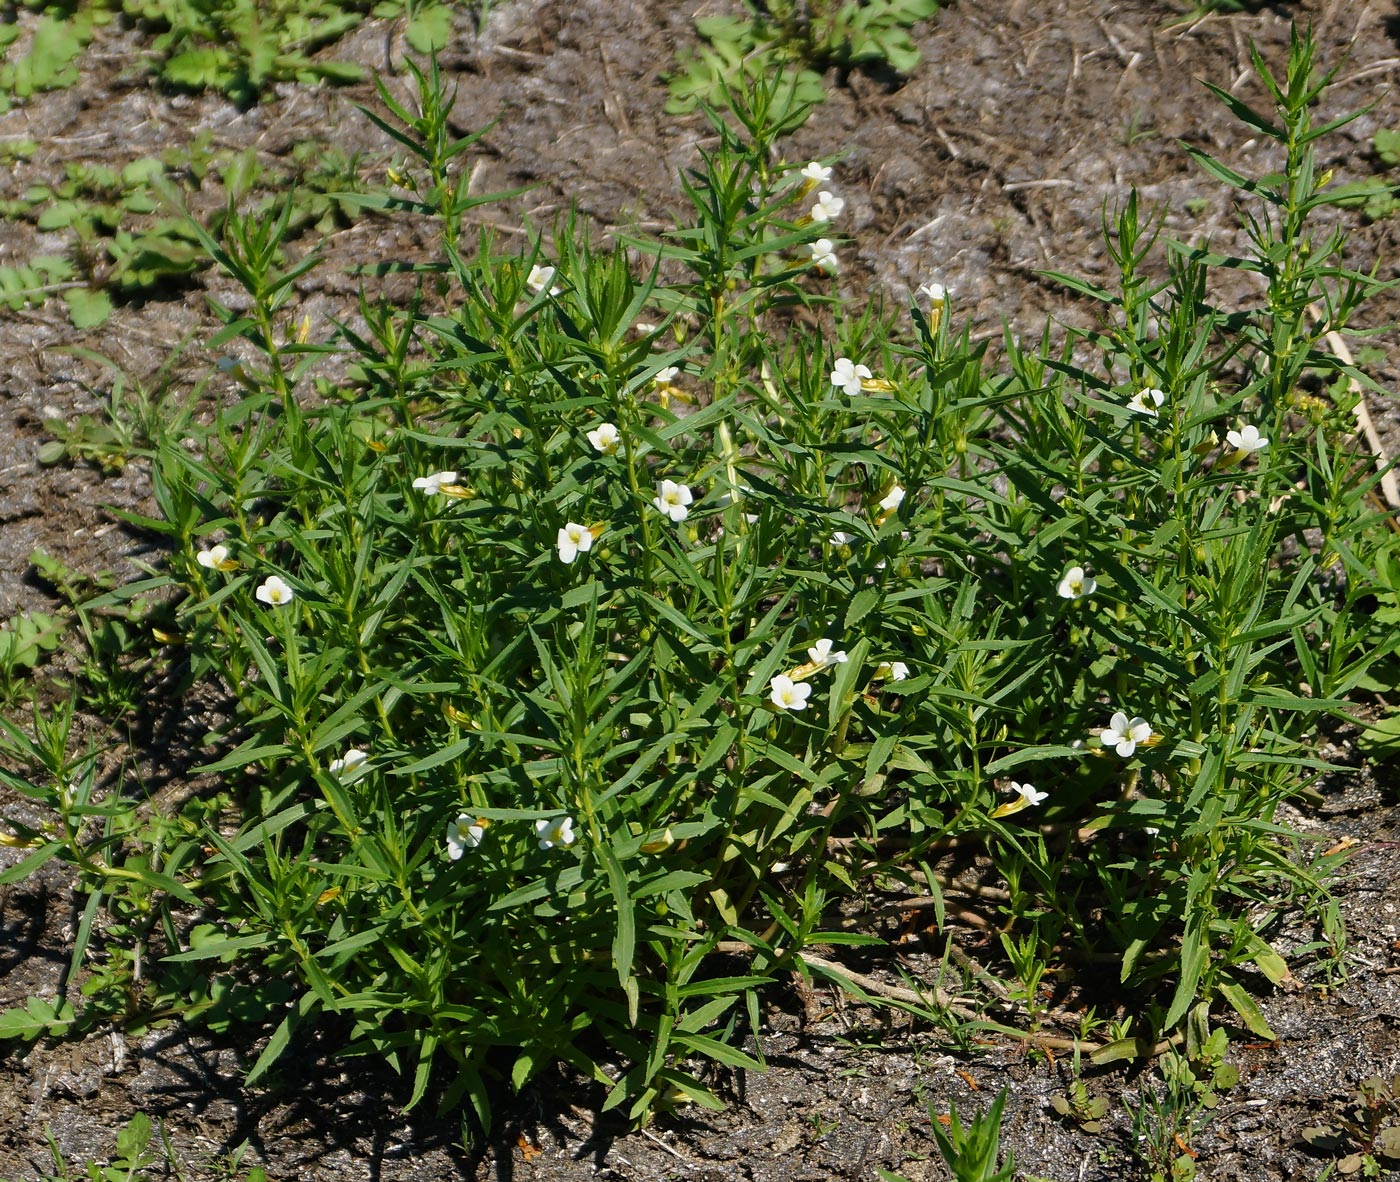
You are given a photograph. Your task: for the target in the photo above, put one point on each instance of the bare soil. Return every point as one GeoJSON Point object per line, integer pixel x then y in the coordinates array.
{"type": "Point", "coordinates": [991, 165]}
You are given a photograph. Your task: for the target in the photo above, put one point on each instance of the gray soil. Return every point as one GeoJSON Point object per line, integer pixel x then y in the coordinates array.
{"type": "Point", "coordinates": [991, 165]}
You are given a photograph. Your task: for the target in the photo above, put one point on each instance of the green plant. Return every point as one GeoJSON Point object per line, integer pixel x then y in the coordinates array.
{"type": "Point", "coordinates": [1375, 196]}
{"type": "Point", "coordinates": [1369, 1128]}
{"type": "Point", "coordinates": [971, 1151]}
{"type": "Point", "coordinates": [1079, 1106]}
{"type": "Point", "coordinates": [134, 1160]}
{"type": "Point", "coordinates": [115, 246]}
{"type": "Point", "coordinates": [793, 41]}
{"type": "Point", "coordinates": [238, 47]}
{"type": "Point", "coordinates": [120, 247]}
{"type": "Point", "coordinates": [130, 421]}
{"type": "Point", "coordinates": [610, 625]}
{"type": "Point", "coordinates": [1165, 1125]}
{"type": "Point", "coordinates": [51, 60]}
{"type": "Point", "coordinates": [24, 641]}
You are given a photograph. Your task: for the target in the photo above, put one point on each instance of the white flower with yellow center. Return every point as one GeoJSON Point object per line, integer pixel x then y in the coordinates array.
{"type": "Point", "coordinates": [1124, 734]}
{"type": "Point", "coordinates": [1076, 584]}
{"type": "Point", "coordinates": [936, 292]}
{"type": "Point", "coordinates": [893, 670]}
{"type": "Point", "coordinates": [673, 500]}
{"type": "Point", "coordinates": [350, 766]}
{"type": "Point", "coordinates": [556, 832]}
{"type": "Point", "coordinates": [787, 694]}
{"type": "Point", "coordinates": [435, 483]}
{"type": "Point", "coordinates": [605, 438]}
{"type": "Point", "coordinates": [1246, 440]}
{"type": "Point", "coordinates": [822, 656]}
{"type": "Point", "coordinates": [465, 833]}
{"type": "Point", "coordinates": [573, 540]}
{"type": "Point", "coordinates": [816, 173]}
{"type": "Point", "coordinates": [1026, 797]}
{"type": "Point", "coordinates": [824, 256]}
{"type": "Point", "coordinates": [1146, 402]}
{"type": "Point", "coordinates": [847, 376]}
{"type": "Point", "coordinates": [216, 558]}
{"type": "Point", "coordinates": [893, 499]}
{"type": "Point", "coordinates": [540, 278]}
{"type": "Point", "coordinates": [274, 592]}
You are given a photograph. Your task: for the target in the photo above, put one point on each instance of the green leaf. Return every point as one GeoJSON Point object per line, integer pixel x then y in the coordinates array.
{"type": "Point", "coordinates": [625, 936]}
{"type": "Point", "coordinates": [87, 307]}
{"type": "Point", "coordinates": [197, 69]}
{"type": "Point", "coordinates": [1122, 1049]}
{"type": "Point", "coordinates": [865, 601]}
{"type": "Point", "coordinates": [1387, 146]}
{"type": "Point", "coordinates": [430, 28]}
{"type": "Point", "coordinates": [282, 1036]}
{"type": "Point", "coordinates": [1247, 1008]}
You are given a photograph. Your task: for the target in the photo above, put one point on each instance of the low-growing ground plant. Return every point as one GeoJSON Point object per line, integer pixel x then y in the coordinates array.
{"type": "Point", "coordinates": [1366, 1132]}
{"type": "Point", "coordinates": [1376, 195]}
{"type": "Point", "coordinates": [632, 612]}
{"type": "Point", "coordinates": [971, 1148]}
{"type": "Point", "coordinates": [795, 40]}
{"type": "Point", "coordinates": [136, 1158]}
{"type": "Point", "coordinates": [120, 246]}
{"type": "Point", "coordinates": [237, 47]}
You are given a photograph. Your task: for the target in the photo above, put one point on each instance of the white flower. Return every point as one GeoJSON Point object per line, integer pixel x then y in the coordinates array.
{"type": "Point", "coordinates": [673, 500]}
{"type": "Point", "coordinates": [1146, 402]}
{"type": "Point", "coordinates": [841, 538]}
{"type": "Point", "coordinates": [433, 483]}
{"type": "Point", "coordinates": [559, 831]}
{"type": "Point", "coordinates": [274, 592]}
{"type": "Point", "coordinates": [350, 766]}
{"type": "Point", "coordinates": [892, 499]}
{"type": "Point", "coordinates": [821, 654]}
{"type": "Point", "coordinates": [818, 174]}
{"type": "Point", "coordinates": [824, 255]}
{"type": "Point", "coordinates": [573, 540]}
{"type": "Point", "coordinates": [935, 292]}
{"type": "Point", "coordinates": [215, 558]}
{"type": "Point", "coordinates": [894, 670]}
{"type": "Point", "coordinates": [846, 376]}
{"type": "Point", "coordinates": [1026, 797]}
{"type": "Point", "coordinates": [1124, 734]}
{"type": "Point", "coordinates": [787, 694]}
{"type": "Point", "coordinates": [664, 377]}
{"type": "Point", "coordinates": [1247, 439]}
{"type": "Point", "coordinates": [827, 207]}
{"type": "Point", "coordinates": [1028, 793]}
{"type": "Point", "coordinates": [605, 438]}
{"type": "Point", "coordinates": [465, 833]}
{"type": "Point", "coordinates": [541, 277]}
{"type": "Point", "coordinates": [1076, 584]}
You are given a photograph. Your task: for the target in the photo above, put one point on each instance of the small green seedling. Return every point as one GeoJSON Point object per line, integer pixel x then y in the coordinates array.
{"type": "Point", "coordinates": [1369, 1128]}
{"type": "Point", "coordinates": [1083, 1109]}
{"type": "Point", "coordinates": [971, 1150]}
{"type": "Point", "coordinates": [25, 639]}
{"type": "Point", "coordinates": [795, 39]}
